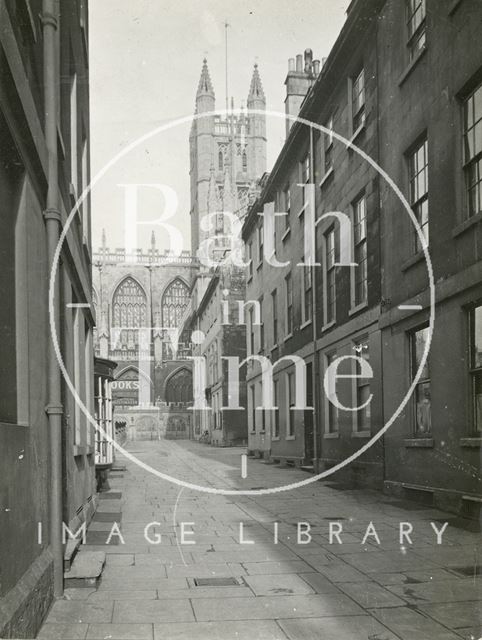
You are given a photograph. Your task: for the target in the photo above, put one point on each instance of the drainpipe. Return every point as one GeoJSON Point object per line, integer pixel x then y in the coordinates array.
{"type": "Point", "coordinates": [314, 302]}
{"type": "Point", "coordinates": [52, 222]}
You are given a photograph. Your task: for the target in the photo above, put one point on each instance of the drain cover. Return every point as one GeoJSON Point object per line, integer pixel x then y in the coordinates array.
{"type": "Point", "coordinates": [217, 582]}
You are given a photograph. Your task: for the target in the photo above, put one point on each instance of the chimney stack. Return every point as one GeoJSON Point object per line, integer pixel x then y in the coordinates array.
{"type": "Point", "coordinates": [298, 82]}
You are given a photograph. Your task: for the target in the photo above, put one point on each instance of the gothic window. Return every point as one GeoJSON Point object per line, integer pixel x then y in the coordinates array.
{"type": "Point", "coordinates": [245, 161]}
{"type": "Point", "coordinates": [222, 149]}
{"type": "Point", "coordinates": [129, 310]}
{"type": "Point", "coordinates": [174, 302]}
{"type": "Point", "coordinates": [179, 387]}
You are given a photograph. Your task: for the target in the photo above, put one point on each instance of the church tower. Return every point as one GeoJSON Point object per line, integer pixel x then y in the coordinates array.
{"type": "Point", "coordinates": [227, 156]}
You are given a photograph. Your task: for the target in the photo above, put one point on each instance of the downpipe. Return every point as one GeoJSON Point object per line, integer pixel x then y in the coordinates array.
{"type": "Point", "coordinates": [52, 223]}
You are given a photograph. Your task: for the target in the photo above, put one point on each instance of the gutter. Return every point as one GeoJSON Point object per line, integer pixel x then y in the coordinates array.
{"type": "Point", "coordinates": [52, 219]}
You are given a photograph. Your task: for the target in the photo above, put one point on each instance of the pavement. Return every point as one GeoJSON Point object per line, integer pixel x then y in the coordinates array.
{"type": "Point", "coordinates": [270, 584]}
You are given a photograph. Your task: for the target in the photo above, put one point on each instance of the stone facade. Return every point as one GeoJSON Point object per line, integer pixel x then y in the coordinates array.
{"type": "Point", "coordinates": [150, 293]}
{"type": "Point", "coordinates": [46, 444]}
{"type": "Point", "coordinates": [409, 98]}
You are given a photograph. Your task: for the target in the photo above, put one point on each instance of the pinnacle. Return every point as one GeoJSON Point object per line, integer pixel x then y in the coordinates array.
{"type": "Point", "coordinates": [256, 91]}
{"type": "Point", "coordinates": [205, 84]}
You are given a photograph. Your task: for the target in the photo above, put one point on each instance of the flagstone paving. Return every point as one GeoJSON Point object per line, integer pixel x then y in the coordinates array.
{"type": "Point", "coordinates": [288, 585]}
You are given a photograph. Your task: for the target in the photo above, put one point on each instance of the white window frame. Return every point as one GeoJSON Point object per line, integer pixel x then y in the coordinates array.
{"type": "Point", "coordinates": [354, 303]}
{"type": "Point", "coordinates": [290, 416]}
{"type": "Point", "coordinates": [327, 323]}
{"type": "Point", "coordinates": [328, 406]}
{"type": "Point", "coordinates": [359, 350]}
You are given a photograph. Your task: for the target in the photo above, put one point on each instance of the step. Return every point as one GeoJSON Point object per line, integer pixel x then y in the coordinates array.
{"type": "Point", "coordinates": [70, 552]}
{"type": "Point", "coordinates": [86, 569]}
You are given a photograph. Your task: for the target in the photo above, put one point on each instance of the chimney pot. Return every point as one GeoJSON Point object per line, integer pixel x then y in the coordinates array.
{"type": "Point", "coordinates": [299, 63]}
{"type": "Point", "coordinates": [316, 67]}
{"type": "Point", "coordinates": [291, 64]}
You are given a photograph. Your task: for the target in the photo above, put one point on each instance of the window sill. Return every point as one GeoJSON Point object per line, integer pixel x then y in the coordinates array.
{"type": "Point", "coordinates": [327, 175]}
{"type": "Point", "coordinates": [274, 438]}
{"type": "Point", "coordinates": [252, 433]}
{"type": "Point", "coordinates": [286, 234]}
{"type": "Point", "coordinates": [90, 450]}
{"type": "Point", "coordinates": [329, 325]}
{"type": "Point", "coordinates": [418, 443]}
{"type": "Point", "coordinates": [331, 435]}
{"type": "Point", "coordinates": [412, 261]}
{"type": "Point", "coordinates": [467, 224]}
{"type": "Point", "coordinates": [411, 66]}
{"type": "Point", "coordinates": [286, 338]}
{"type": "Point", "coordinates": [305, 324]}
{"type": "Point", "coordinates": [290, 437]}
{"type": "Point", "coordinates": [262, 432]}
{"type": "Point", "coordinates": [471, 443]}
{"type": "Point", "coordinates": [454, 5]}
{"type": "Point", "coordinates": [359, 307]}
{"type": "Point", "coordinates": [361, 434]}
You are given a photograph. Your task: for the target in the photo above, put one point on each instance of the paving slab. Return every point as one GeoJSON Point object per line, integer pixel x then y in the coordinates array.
{"type": "Point", "coordinates": [270, 608]}
{"type": "Point", "coordinates": [371, 595]}
{"type": "Point", "coordinates": [408, 624]}
{"type": "Point", "coordinates": [120, 632]}
{"type": "Point", "coordinates": [440, 591]}
{"type": "Point", "coordinates": [64, 611]}
{"type": "Point", "coordinates": [278, 585]}
{"type": "Point", "coordinates": [455, 614]}
{"type": "Point", "coordinates": [246, 630]}
{"type": "Point", "coordinates": [342, 628]}
{"type": "Point", "coordinates": [272, 568]}
{"type": "Point", "coordinates": [63, 631]}
{"type": "Point", "coordinates": [150, 611]}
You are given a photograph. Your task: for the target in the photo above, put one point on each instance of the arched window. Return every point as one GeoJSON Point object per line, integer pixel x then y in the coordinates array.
{"type": "Point", "coordinates": [220, 160]}
{"type": "Point", "coordinates": [174, 302]}
{"type": "Point", "coordinates": [129, 309]}
{"type": "Point", "coordinates": [245, 161]}
{"type": "Point", "coordinates": [179, 386]}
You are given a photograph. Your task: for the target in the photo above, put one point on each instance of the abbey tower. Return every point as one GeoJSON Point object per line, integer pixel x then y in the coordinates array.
{"type": "Point", "coordinates": [227, 155]}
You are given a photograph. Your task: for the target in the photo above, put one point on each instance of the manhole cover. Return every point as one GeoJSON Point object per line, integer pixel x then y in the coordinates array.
{"type": "Point", "coordinates": [217, 582]}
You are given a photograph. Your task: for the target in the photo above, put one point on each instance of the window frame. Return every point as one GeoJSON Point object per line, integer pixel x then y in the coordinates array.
{"type": "Point", "coordinates": [274, 307]}
{"type": "Point", "coordinates": [289, 319]}
{"type": "Point", "coordinates": [359, 243]}
{"type": "Point", "coordinates": [290, 417]}
{"type": "Point", "coordinates": [358, 114]}
{"type": "Point", "coordinates": [275, 433]}
{"type": "Point", "coordinates": [329, 431]}
{"type": "Point", "coordinates": [418, 200]}
{"type": "Point", "coordinates": [475, 372]}
{"type": "Point", "coordinates": [416, 432]}
{"type": "Point", "coordinates": [361, 383]}
{"type": "Point", "coordinates": [329, 272]}
{"type": "Point", "coordinates": [416, 32]}
{"type": "Point", "coordinates": [474, 160]}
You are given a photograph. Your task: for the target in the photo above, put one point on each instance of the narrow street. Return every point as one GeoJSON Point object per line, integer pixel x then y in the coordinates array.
{"type": "Point", "coordinates": [348, 591]}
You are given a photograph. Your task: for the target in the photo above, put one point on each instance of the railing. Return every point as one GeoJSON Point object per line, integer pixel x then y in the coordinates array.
{"type": "Point", "coordinates": [141, 257]}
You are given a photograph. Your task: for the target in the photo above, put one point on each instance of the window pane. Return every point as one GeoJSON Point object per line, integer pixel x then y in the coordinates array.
{"type": "Point", "coordinates": [423, 409]}
{"type": "Point", "coordinates": [478, 401]}
{"type": "Point", "coordinates": [420, 341]}
{"type": "Point", "coordinates": [477, 338]}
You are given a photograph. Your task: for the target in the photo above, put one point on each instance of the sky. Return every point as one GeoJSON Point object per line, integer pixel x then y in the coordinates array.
{"type": "Point", "coordinates": [145, 62]}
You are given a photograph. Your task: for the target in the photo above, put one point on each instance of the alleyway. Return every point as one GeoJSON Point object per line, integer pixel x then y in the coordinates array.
{"type": "Point", "coordinates": [348, 591]}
